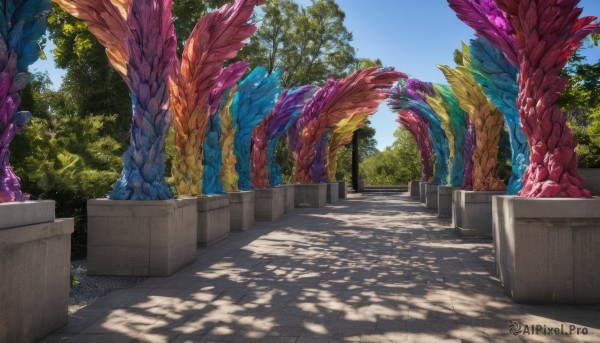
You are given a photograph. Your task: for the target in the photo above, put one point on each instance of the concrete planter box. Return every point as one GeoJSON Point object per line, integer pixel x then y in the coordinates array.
{"type": "Point", "coordinates": [422, 193]}
{"type": "Point", "coordinates": [431, 196]}
{"type": "Point", "coordinates": [333, 192]}
{"type": "Point", "coordinates": [414, 189]}
{"type": "Point", "coordinates": [445, 201]}
{"type": "Point", "coordinates": [472, 212]}
{"type": "Point", "coordinates": [141, 238]}
{"type": "Point", "coordinates": [213, 219]}
{"type": "Point", "coordinates": [312, 195]}
{"type": "Point", "coordinates": [241, 205]}
{"type": "Point", "coordinates": [35, 250]}
{"type": "Point", "coordinates": [269, 204]}
{"type": "Point", "coordinates": [343, 190]}
{"type": "Point", "coordinates": [546, 250]}
{"type": "Point", "coordinates": [289, 197]}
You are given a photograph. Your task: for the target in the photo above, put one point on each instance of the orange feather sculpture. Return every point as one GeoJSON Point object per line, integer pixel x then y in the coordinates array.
{"type": "Point", "coordinates": [217, 37]}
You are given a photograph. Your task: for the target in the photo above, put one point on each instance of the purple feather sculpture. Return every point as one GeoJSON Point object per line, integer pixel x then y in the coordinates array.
{"type": "Point", "coordinates": [419, 128]}
{"type": "Point", "coordinates": [22, 24]}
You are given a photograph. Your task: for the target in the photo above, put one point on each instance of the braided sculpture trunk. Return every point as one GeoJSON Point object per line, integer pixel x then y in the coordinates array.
{"type": "Point", "coordinates": [495, 62]}
{"type": "Point", "coordinates": [419, 129]}
{"type": "Point", "coordinates": [213, 157]}
{"type": "Point", "coordinates": [411, 95]}
{"type": "Point", "coordinates": [254, 99]}
{"type": "Point", "coordinates": [360, 92]}
{"type": "Point", "coordinates": [470, 145]}
{"type": "Point", "coordinates": [318, 169]}
{"type": "Point", "coordinates": [139, 38]}
{"type": "Point", "coordinates": [339, 136]}
{"type": "Point", "coordinates": [216, 37]}
{"type": "Point", "coordinates": [228, 175]}
{"type": "Point", "coordinates": [486, 119]}
{"type": "Point", "coordinates": [22, 24]}
{"type": "Point", "coordinates": [454, 122]}
{"type": "Point", "coordinates": [265, 170]}
{"type": "Point", "coordinates": [548, 31]}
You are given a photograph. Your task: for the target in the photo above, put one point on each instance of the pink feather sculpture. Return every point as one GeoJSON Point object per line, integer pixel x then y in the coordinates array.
{"type": "Point", "coordinates": [549, 31]}
{"type": "Point", "coordinates": [360, 92]}
{"type": "Point", "coordinates": [216, 37]}
{"type": "Point", "coordinates": [419, 129]}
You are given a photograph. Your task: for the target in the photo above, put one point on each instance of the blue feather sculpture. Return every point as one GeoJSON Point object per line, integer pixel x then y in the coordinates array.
{"type": "Point", "coordinates": [410, 95]}
{"type": "Point", "coordinates": [255, 97]}
{"type": "Point", "coordinates": [213, 156]}
{"type": "Point", "coordinates": [22, 24]}
{"type": "Point", "coordinates": [498, 79]}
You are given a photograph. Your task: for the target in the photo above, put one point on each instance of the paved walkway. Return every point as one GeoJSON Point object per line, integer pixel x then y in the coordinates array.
{"type": "Point", "coordinates": [375, 268]}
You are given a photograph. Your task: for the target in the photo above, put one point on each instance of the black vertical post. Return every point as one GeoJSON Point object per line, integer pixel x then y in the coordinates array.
{"type": "Point", "coordinates": [355, 161]}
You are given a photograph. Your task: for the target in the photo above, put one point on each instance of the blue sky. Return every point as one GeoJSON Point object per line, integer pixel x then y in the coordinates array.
{"type": "Point", "coordinates": [413, 36]}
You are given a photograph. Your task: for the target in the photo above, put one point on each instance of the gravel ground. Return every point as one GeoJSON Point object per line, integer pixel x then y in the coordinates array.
{"type": "Point", "coordinates": [91, 287]}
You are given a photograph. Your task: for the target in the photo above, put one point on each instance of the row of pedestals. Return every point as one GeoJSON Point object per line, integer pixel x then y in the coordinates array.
{"type": "Point", "coordinates": [133, 238]}
{"type": "Point", "coordinates": [546, 249]}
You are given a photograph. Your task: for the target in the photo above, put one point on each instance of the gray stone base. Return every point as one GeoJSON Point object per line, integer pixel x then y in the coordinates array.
{"type": "Point", "coordinates": [413, 189]}
{"type": "Point", "coordinates": [269, 204]}
{"type": "Point", "coordinates": [333, 192]}
{"type": "Point", "coordinates": [241, 205]}
{"type": "Point", "coordinates": [343, 188]}
{"type": "Point", "coordinates": [34, 271]}
{"type": "Point", "coordinates": [141, 238]}
{"type": "Point", "coordinates": [288, 195]}
{"type": "Point", "coordinates": [213, 219]}
{"type": "Point", "coordinates": [431, 196]}
{"type": "Point", "coordinates": [546, 250]}
{"type": "Point", "coordinates": [445, 201]}
{"type": "Point", "coordinates": [312, 195]}
{"type": "Point", "coordinates": [422, 193]}
{"type": "Point", "coordinates": [472, 212]}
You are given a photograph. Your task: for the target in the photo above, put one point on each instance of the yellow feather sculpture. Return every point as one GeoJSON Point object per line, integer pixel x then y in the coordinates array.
{"type": "Point", "coordinates": [229, 175]}
{"type": "Point", "coordinates": [486, 118]}
{"type": "Point", "coordinates": [341, 135]}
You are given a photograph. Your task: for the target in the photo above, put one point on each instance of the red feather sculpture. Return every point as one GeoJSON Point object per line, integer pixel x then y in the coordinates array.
{"type": "Point", "coordinates": [217, 37]}
{"type": "Point", "coordinates": [360, 92]}
{"type": "Point", "coordinates": [548, 31]}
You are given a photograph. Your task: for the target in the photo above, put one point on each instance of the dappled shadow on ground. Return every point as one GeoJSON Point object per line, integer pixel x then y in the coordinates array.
{"type": "Point", "coordinates": [371, 269]}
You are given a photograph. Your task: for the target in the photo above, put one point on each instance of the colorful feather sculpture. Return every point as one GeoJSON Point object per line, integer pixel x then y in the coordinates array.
{"type": "Point", "coordinates": [470, 145]}
{"type": "Point", "coordinates": [454, 120]}
{"type": "Point", "coordinates": [410, 95]}
{"type": "Point", "coordinates": [216, 37]}
{"type": "Point", "coordinates": [318, 169]}
{"type": "Point", "coordinates": [486, 118]}
{"type": "Point", "coordinates": [418, 126]}
{"type": "Point", "coordinates": [139, 38]}
{"type": "Point", "coordinates": [256, 96]}
{"type": "Point", "coordinates": [549, 32]}
{"type": "Point", "coordinates": [228, 174]}
{"type": "Point", "coordinates": [498, 80]}
{"type": "Point", "coordinates": [265, 170]}
{"type": "Point", "coordinates": [360, 92]}
{"type": "Point", "coordinates": [22, 24]}
{"type": "Point", "coordinates": [213, 157]}
{"type": "Point", "coordinates": [340, 136]}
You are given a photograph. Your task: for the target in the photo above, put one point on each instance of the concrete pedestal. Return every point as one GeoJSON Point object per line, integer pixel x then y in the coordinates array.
{"type": "Point", "coordinates": [546, 249]}
{"type": "Point", "coordinates": [312, 195]}
{"type": "Point", "coordinates": [413, 189]}
{"type": "Point", "coordinates": [422, 193]}
{"type": "Point", "coordinates": [288, 195]}
{"type": "Point", "coordinates": [445, 201]}
{"type": "Point", "coordinates": [213, 219]}
{"type": "Point", "coordinates": [333, 192]}
{"type": "Point", "coordinates": [343, 188]}
{"type": "Point", "coordinates": [269, 204]}
{"type": "Point", "coordinates": [431, 196]}
{"type": "Point", "coordinates": [141, 238]}
{"type": "Point", "coordinates": [241, 205]}
{"type": "Point", "coordinates": [35, 251]}
{"type": "Point", "coordinates": [472, 212]}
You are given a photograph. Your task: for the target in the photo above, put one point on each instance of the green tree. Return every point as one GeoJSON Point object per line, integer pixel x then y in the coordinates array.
{"type": "Point", "coordinates": [308, 44]}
